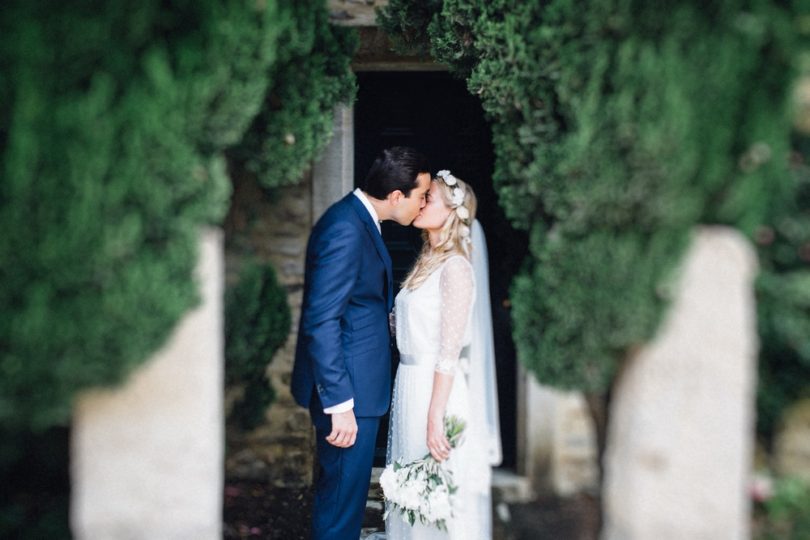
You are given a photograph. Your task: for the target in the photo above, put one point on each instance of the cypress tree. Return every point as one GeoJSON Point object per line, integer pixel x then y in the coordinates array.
{"type": "Point", "coordinates": [618, 126]}
{"type": "Point", "coordinates": [114, 122]}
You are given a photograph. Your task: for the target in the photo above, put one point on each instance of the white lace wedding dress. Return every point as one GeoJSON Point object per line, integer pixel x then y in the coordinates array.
{"type": "Point", "coordinates": [432, 330]}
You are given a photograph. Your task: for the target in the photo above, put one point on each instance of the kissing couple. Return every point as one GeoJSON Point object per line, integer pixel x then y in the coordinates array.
{"type": "Point", "coordinates": [442, 327]}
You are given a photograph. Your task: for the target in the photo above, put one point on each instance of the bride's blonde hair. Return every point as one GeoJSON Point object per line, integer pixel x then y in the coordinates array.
{"type": "Point", "coordinates": [454, 237]}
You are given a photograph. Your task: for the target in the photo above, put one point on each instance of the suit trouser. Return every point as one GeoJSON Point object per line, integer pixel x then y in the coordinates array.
{"type": "Point", "coordinates": [343, 479]}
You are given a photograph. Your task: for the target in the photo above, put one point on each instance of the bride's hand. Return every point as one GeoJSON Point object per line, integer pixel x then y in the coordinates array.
{"type": "Point", "coordinates": [437, 442]}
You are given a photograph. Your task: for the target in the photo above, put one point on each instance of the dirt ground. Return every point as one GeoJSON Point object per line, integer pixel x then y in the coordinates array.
{"type": "Point", "coordinates": [549, 518]}
{"type": "Point", "coordinates": [257, 511]}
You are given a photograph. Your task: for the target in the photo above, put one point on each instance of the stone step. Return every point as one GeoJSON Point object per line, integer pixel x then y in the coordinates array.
{"type": "Point", "coordinates": [511, 488]}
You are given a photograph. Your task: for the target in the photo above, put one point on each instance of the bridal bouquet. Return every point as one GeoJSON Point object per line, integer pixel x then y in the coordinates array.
{"type": "Point", "coordinates": [423, 489]}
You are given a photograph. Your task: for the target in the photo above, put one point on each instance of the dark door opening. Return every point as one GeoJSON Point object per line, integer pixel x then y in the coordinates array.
{"type": "Point", "coordinates": [434, 112]}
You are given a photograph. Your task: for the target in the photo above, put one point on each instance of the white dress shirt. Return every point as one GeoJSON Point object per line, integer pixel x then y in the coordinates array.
{"type": "Point", "coordinates": [363, 199]}
{"type": "Point", "coordinates": [349, 405]}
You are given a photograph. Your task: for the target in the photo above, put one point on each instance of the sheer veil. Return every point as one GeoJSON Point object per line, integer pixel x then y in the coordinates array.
{"type": "Point", "coordinates": [482, 375]}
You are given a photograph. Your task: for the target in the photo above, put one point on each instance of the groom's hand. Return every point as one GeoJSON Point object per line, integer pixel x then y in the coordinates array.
{"type": "Point", "coordinates": [344, 429]}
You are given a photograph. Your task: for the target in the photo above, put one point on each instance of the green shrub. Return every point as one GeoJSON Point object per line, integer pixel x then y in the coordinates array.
{"type": "Point", "coordinates": [257, 323]}
{"type": "Point", "coordinates": [783, 297]}
{"type": "Point", "coordinates": [114, 118]}
{"type": "Point", "coordinates": [312, 74]}
{"type": "Point", "coordinates": [784, 516]}
{"type": "Point", "coordinates": [616, 129]}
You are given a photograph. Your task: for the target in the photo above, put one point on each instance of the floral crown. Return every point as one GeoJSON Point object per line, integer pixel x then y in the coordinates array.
{"type": "Point", "coordinates": [457, 203]}
{"type": "Point", "coordinates": [456, 194]}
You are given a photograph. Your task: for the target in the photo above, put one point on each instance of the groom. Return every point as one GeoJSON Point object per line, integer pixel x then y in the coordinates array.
{"type": "Point", "coordinates": [342, 366]}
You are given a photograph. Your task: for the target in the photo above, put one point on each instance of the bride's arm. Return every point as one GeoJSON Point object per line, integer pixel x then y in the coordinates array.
{"type": "Point", "coordinates": [456, 286]}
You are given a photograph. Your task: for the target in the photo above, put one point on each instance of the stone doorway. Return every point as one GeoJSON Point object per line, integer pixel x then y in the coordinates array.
{"type": "Point", "coordinates": [434, 112]}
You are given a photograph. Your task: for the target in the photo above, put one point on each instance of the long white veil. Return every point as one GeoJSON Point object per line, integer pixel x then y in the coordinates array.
{"type": "Point", "coordinates": [482, 375]}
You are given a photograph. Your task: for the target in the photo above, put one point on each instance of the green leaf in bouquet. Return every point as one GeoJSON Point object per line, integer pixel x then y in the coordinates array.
{"type": "Point", "coordinates": [454, 428]}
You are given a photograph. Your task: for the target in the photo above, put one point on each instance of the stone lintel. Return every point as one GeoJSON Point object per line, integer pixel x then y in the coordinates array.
{"type": "Point", "coordinates": [354, 12]}
{"type": "Point", "coordinates": [376, 53]}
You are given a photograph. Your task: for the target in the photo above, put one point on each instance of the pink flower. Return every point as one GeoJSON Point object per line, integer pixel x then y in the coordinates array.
{"type": "Point", "coordinates": [761, 488]}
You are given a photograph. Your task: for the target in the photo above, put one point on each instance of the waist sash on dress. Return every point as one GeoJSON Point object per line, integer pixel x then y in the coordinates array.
{"type": "Point", "coordinates": [429, 361]}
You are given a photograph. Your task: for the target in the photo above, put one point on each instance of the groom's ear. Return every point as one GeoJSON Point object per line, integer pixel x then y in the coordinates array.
{"type": "Point", "coordinates": [395, 196]}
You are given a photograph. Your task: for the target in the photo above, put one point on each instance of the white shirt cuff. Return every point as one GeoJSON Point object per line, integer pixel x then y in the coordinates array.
{"type": "Point", "coordinates": [340, 407]}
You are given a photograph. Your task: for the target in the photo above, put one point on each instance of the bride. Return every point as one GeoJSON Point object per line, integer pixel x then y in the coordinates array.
{"type": "Point", "coordinates": [444, 336]}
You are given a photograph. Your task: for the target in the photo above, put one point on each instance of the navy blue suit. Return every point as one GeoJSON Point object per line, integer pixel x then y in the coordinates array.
{"type": "Point", "coordinates": [343, 352]}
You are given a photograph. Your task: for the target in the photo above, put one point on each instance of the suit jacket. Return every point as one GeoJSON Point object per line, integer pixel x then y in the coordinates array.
{"type": "Point", "coordinates": [343, 350]}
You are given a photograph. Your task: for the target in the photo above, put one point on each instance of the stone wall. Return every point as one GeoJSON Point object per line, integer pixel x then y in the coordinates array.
{"type": "Point", "coordinates": [792, 441]}
{"type": "Point", "coordinates": [354, 12]}
{"type": "Point", "coordinates": [557, 440]}
{"type": "Point", "coordinates": [273, 228]}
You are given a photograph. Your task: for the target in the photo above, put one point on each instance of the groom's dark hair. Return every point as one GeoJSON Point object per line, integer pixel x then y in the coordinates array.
{"type": "Point", "coordinates": [394, 169]}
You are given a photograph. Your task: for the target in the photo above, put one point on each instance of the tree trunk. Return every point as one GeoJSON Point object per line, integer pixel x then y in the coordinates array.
{"type": "Point", "coordinates": [599, 407]}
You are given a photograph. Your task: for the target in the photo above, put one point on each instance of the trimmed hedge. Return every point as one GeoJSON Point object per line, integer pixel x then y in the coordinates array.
{"type": "Point", "coordinates": [617, 128]}
{"type": "Point", "coordinates": [114, 120]}
{"type": "Point", "coordinates": [257, 323]}
{"type": "Point", "coordinates": [311, 75]}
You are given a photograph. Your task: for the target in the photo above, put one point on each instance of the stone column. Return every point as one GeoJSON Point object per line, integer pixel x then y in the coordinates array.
{"type": "Point", "coordinates": [556, 439]}
{"type": "Point", "coordinates": [147, 457]}
{"type": "Point", "coordinates": [333, 173]}
{"type": "Point", "coordinates": [681, 430]}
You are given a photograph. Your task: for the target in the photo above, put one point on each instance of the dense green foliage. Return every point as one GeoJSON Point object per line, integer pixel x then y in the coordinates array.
{"type": "Point", "coordinates": [784, 302]}
{"type": "Point", "coordinates": [616, 128]}
{"type": "Point", "coordinates": [311, 75]}
{"type": "Point", "coordinates": [257, 323]}
{"type": "Point", "coordinates": [784, 515]}
{"type": "Point", "coordinates": [114, 121]}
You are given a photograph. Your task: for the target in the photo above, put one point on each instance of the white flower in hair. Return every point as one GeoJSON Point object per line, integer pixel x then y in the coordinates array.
{"type": "Point", "coordinates": [457, 197]}
{"type": "Point", "coordinates": [448, 178]}
{"type": "Point", "coordinates": [463, 213]}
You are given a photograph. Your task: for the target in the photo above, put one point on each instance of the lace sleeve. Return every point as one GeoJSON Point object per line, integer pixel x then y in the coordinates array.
{"type": "Point", "coordinates": [457, 288]}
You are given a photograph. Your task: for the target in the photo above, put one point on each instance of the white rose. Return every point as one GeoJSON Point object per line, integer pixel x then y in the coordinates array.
{"type": "Point", "coordinates": [439, 503]}
{"type": "Point", "coordinates": [463, 214]}
{"type": "Point", "coordinates": [411, 496]}
{"type": "Point", "coordinates": [388, 482]}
